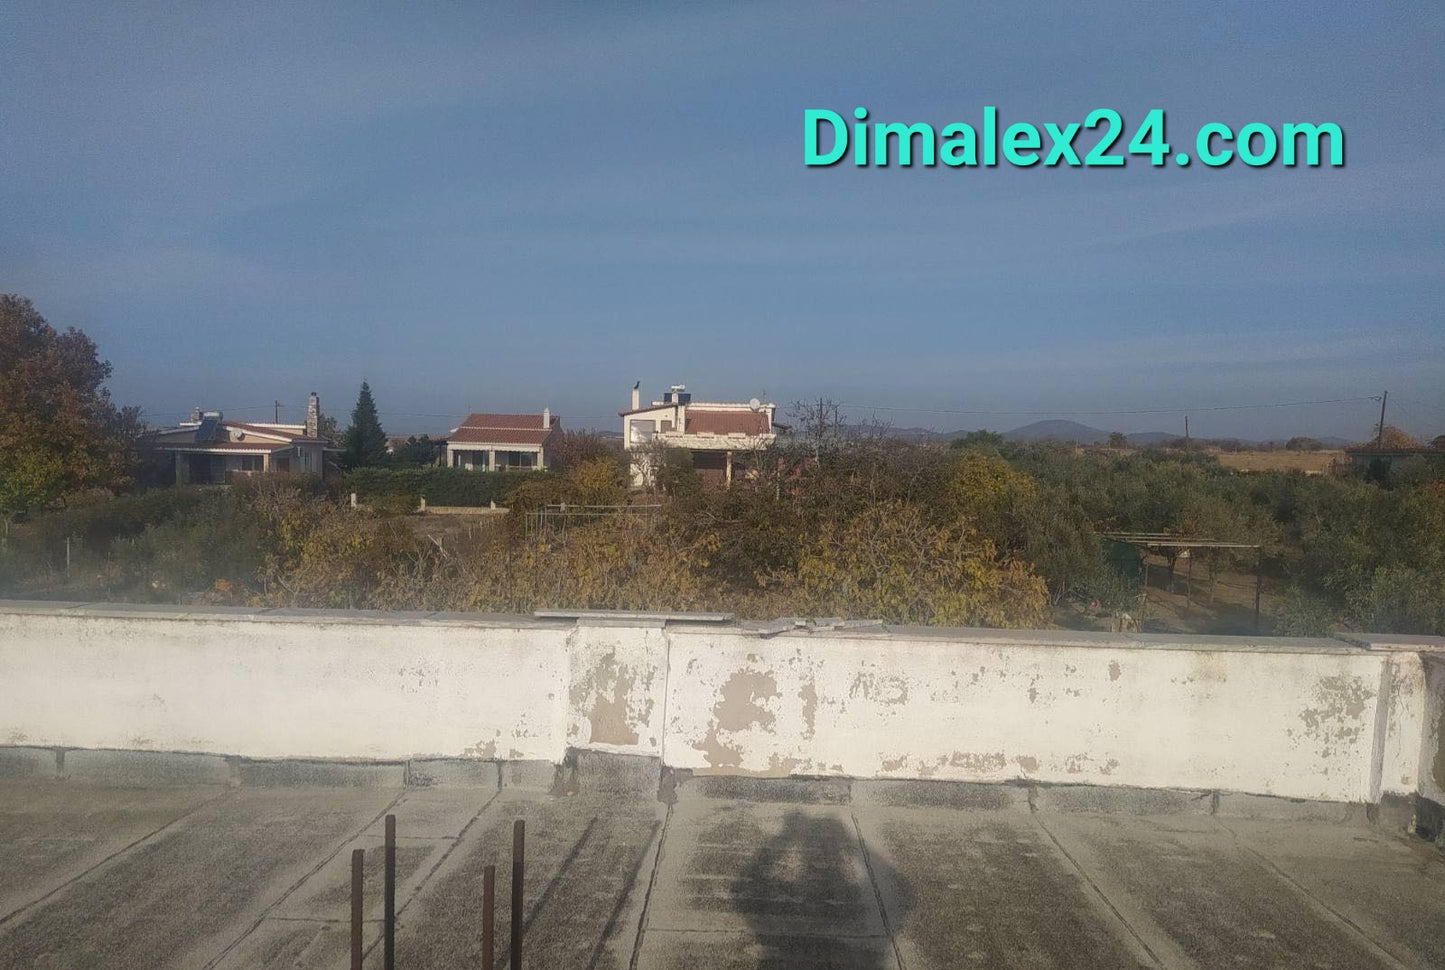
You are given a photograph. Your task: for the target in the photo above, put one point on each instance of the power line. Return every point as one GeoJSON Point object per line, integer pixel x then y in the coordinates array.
{"type": "Point", "coordinates": [962, 411]}
{"type": "Point", "coordinates": [1171, 410]}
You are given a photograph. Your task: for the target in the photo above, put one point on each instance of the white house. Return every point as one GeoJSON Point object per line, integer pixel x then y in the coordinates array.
{"type": "Point", "coordinates": [718, 434]}
{"type": "Point", "coordinates": [209, 450]}
{"type": "Point", "coordinates": [502, 442]}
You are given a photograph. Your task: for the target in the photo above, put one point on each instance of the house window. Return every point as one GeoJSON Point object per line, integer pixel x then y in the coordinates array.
{"type": "Point", "coordinates": [516, 460]}
{"type": "Point", "coordinates": [470, 458]}
{"type": "Point", "coordinates": [642, 431]}
{"type": "Point", "coordinates": [251, 463]}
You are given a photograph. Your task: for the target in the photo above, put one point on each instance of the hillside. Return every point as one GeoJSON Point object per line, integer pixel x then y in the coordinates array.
{"type": "Point", "coordinates": [1061, 430]}
{"type": "Point", "coordinates": [1056, 429]}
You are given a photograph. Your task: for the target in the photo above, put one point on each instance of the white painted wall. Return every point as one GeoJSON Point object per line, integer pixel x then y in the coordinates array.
{"type": "Point", "coordinates": [1299, 723]}
{"type": "Point", "coordinates": [1297, 718]}
{"type": "Point", "coordinates": [282, 687]}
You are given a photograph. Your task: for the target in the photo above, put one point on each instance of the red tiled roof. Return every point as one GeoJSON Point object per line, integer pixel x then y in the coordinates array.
{"type": "Point", "coordinates": [515, 421]}
{"type": "Point", "coordinates": [500, 436]}
{"type": "Point", "coordinates": [703, 421]}
{"type": "Point", "coordinates": [224, 446]}
{"type": "Point", "coordinates": [504, 429]}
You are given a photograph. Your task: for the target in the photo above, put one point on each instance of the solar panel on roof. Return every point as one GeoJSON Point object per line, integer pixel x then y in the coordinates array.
{"type": "Point", "coordinates": [210, 430]}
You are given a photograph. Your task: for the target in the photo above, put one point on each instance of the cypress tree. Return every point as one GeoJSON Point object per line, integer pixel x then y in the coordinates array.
{"type": "Point", "coordinates": [365, 441]}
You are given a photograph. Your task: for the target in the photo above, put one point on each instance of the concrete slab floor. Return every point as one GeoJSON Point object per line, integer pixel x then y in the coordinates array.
{"type": "Point", "coordinates": [733, 874]}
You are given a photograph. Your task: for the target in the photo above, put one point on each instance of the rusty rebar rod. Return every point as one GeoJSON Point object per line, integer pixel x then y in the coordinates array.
{"type": "Point", "coordinates": [489, 912]}
{"type": "Point", "coordinates": [519, 842]}
{"type": "Point", "coordinates": [358, 863]}
{"type": "Point", "coordinates": [388, 946]}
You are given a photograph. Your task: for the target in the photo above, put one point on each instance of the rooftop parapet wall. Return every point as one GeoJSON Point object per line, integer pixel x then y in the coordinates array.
{"type": "Point", "coordinates": [1316, 718]}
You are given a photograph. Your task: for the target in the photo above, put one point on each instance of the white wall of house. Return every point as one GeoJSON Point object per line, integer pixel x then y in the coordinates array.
{"type": "Point", "coordinates": [664, 426]}
{"type": "Point", "coordinates": [300, 459]}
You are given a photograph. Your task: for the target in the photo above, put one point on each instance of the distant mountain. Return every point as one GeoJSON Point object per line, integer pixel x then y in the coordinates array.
{"type": "Point", "coordinates": [924, 434]}
{"type": "Point", "coordinates": [1074, 432]}
{"type": "Point", "coordinates": [1059, 430]}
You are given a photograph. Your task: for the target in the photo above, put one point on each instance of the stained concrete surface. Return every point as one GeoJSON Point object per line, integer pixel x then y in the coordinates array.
{"type": "Point", "coordinates": [726, 873]}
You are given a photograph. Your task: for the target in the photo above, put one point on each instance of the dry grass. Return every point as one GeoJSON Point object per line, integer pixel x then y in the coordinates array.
{"type": "Point", "coordinates": [1309, 462]}
{"type": "Point", "coordinates": [460, 530]}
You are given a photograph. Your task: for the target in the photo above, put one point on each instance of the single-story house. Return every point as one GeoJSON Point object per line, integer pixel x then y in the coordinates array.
{"type": "Point", "coordinates": [502, 442]}
{"type": "Point", "coordinates": [719, 435]}
{"type": "Point", "coordinates": [210, 450]}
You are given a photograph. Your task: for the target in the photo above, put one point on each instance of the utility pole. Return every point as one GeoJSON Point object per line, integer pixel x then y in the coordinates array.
{"type": "Point", "coordinates": [1186, 432]}
{"type": "Point", "coordinates": [1380, 435]}
{"type": "Point", "coordinates": [278, 412]}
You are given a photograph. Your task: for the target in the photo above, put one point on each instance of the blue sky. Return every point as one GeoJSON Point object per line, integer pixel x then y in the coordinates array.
{"type": "Point", "coordinates": [501, 207]}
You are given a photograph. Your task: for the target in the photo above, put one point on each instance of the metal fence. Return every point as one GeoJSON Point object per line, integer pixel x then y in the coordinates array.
{"type": "Point", "coordinates": [553, 521]}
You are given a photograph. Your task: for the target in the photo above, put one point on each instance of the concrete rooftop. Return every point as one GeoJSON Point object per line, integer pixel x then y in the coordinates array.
{"type": "Point", "coordinates": [134, 870]}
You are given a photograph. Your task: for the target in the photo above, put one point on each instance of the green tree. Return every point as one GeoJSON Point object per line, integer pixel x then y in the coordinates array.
{"type": "Point", "coordinates": [981, 439]}
{"type": "Point", "coordinates": [59, 430]}
{"type": "Point", "coordinates": [327, 430]}
{"type": "Point", "coordinates": [416, 453]}
{"type": "Point", "coordinates": [365, 440]}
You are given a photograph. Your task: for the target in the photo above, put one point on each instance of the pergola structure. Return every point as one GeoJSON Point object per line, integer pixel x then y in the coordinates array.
{"type": "Point", "coordinates": [1153, 541]}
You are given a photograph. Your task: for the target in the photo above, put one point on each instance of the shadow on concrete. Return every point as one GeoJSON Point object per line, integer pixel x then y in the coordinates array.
{"type": "Point", "coordinates": [810, 898]}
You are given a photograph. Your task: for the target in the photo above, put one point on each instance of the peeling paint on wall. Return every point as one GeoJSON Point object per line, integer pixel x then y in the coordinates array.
{"type": "Point", "coordinates": [1338, 714]}
{"type": "Point", "coordinates": [1292, 719]}
{"type": "Point", "coordinates": [740, 705]}
{"type": "Point", "coordinates": [482, 749]}
{"type": "Point", "coordinates": [604, 692]}
{"type": "Point", "coordinates": [808, 694]}
{"type": "Point", "coordinates": [891, 689]}
{"type": "Point", "coordinates": [971, 761]}
{"type": "Point", "coordinates": [782, 767]}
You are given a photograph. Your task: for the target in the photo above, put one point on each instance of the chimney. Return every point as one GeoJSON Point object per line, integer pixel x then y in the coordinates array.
{"type": "Point", "coordinates": [196, 414]}
{"type": "Point", "coordinates": [546, 418]}
{"type": "Point", "coordinates": [313, 416]}
{"type": "Point", "coordinates": [636, 395]}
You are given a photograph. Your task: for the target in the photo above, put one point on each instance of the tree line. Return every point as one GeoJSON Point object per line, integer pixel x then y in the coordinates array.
{"type": "Point", "coordinates": [833, 520]}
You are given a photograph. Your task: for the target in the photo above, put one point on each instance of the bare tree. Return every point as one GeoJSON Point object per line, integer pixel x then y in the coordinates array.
{"type": "Point", "coordinates": [820, 423]}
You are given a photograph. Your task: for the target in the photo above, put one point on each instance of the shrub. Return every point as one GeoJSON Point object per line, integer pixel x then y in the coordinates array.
{"type": "Point", "coordinates": [100, 524]}
{"type": "Point", "coordinates": [1301, 614]}
{"type": "Point", "coordinates": [890, 563]}
{"type": "Point", "coordinates": [439, 486]}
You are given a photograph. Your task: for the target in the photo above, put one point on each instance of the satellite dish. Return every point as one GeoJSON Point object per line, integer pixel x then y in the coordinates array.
{"type": "Point", "coordinates": [755, 404]}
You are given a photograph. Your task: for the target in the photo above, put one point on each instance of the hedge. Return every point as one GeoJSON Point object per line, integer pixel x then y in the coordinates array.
{"type": "Point", "coordinates": [439, 486]}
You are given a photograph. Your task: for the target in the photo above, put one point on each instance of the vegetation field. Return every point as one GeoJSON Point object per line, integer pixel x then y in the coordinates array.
{"type": "Point", "coordinates": [984, 532]}
{"type": "Point", "coordinates": [830, 521]}
{"type": "Point", "coordinates": [1310, 462]}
